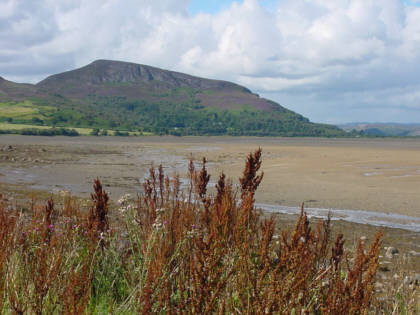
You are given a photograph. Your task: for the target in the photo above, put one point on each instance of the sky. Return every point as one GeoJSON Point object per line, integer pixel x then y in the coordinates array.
{"type": "Point", "coordinates": [332, 61]}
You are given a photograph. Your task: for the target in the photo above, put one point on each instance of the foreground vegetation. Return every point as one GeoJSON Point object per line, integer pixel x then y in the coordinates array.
{"type": "Point", "coordinates": [181, 252]}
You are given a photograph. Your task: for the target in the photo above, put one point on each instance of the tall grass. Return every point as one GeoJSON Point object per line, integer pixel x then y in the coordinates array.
{"type": "Point", "coordinates": [173, 251]}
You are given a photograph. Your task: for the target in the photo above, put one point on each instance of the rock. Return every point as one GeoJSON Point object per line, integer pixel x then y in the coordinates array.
{"type": "Point", "coordinates": [412, 280]}
{"type": "Point", "coordinates": [384, 268]}
{"type": "Point", "coordinates": [414, 253]}
{"type": "Point", "coordinates": [416, 279]}
{"type": "Point", "coordinates": [390, 252]}
{"type": "Point", "coordinates": [379, 286]}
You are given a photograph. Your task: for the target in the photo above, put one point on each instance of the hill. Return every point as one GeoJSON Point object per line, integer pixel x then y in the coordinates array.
{"type": "Point", "coordinates": [133, 97]}
{"type": "Point", "coordinates": [384, 129]}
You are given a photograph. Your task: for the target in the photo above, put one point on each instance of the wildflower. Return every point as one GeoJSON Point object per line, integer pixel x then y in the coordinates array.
{"type": "Point", "coordinates": [191, 233]}
{"type": "Point", "coordinates": [51, 226]}
{"type": "Point", "coordinates": [157, 225]}
{"type": "Point", "coordinates": [122, 209]}
{"type": "Point", "coordinates": [124, 199]}
{"type": "Point", "coordinates": [165, 222]}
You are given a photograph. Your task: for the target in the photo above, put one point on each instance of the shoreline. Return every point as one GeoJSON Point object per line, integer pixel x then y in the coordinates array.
{"type": "Point", "coordinates": [367, 217]}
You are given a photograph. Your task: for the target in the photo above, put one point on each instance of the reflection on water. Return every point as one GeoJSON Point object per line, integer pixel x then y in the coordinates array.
{"type": "Point", "coordinates": [390, 220]}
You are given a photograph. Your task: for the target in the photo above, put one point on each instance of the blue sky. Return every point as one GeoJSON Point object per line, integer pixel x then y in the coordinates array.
{"type": "Point", "coordinates": [214, 6]}
{"type": "Point", "coordinates": [412, 3]}
{"type": "Point", "coordinates": [333, 61]}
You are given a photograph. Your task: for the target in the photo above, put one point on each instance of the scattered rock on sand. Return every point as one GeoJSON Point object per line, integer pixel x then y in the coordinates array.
{"type": "Point", "coordinates": [415, 280]}
{"type": "Point", "coordinates": [8, 148]}
{"type": "Point", "coordinates": [414, 253]}
{"type": "Point", "coordinates": [384, 268]}
{"type": "Point", "coordinates": [390, 252]}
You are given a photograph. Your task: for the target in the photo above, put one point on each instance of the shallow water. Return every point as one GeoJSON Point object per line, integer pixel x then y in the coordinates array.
{"type": "Point", "coordinates": [390, 220]}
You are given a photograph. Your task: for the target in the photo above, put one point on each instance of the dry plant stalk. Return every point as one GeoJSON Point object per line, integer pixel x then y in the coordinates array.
{"type": "Point", "coordinates": [97, 224]}
{"type": "Point", "coordinates": [180, 252]}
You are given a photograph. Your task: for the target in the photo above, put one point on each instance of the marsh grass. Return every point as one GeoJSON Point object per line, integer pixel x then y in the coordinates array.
{"type": "Point", "coordinates": [169, 251]}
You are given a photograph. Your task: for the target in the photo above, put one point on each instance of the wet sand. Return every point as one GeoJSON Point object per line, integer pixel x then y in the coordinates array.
{"type": "Point", "coordinates": [357, 174]}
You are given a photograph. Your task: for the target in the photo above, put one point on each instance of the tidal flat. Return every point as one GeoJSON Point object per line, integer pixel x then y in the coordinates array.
{"type": "Point", "coordinates": [378, 177]}
{"type": "Point", "coordinates": [357, 174]}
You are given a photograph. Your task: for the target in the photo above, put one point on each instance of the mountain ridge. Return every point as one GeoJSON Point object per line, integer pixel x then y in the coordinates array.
{"type": "Point", "coordinates": [125, 95]}
{"type": "Point", "coordinates": [388, 129]}
{"type": "Point", "coordinates": [111, 71]}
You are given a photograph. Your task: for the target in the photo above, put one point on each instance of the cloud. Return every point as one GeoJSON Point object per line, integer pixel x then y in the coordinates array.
{"type": "Point", "coordinates": [329, 60]}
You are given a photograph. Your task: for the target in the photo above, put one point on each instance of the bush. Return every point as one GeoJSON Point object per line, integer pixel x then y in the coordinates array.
{"type": "Point", "coordinates": [48, 132]}
{"type": "Point", "coordinates": [121, 133]}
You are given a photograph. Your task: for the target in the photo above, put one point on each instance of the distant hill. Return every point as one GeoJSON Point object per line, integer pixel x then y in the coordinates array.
{"type": "Point", "coordinates": [133, 97]}
{"type": "Point", "coordinates": [384, 129]}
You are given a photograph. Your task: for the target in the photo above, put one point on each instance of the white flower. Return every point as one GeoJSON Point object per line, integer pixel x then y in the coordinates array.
{"type": "Point", "coordinates": [157, 225]}
{"type": "Point", "coordinates": [124, 199]}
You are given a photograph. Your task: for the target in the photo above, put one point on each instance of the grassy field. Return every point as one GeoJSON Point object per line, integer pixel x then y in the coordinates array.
{"type": "Point", "coordinates": [7, 126]}
{"type": "Point", "coordinates": [81, 131]}
{"type": "Point", "coordinates": [25, 110]}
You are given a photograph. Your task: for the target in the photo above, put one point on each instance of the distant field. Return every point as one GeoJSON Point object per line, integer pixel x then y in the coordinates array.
{"type": "Point", "coordinates": [7, 126]}
{"type": "Point", "coordinates": [81, 131]}
{"type": "Point", "coordinates": [23, 110]}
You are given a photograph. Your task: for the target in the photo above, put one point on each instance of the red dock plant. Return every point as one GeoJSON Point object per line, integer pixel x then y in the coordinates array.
{"type": "Point", "coordinates": [97, 224]}
{"type": "Point", "coordinates": [199, 251]}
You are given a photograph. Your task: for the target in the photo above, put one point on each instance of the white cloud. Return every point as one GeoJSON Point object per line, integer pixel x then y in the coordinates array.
{"type": "Point", "coordinates": [330, 60]}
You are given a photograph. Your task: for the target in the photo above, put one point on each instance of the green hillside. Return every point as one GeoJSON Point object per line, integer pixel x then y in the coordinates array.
{"type": "Point", "coordinates": [138, 98]}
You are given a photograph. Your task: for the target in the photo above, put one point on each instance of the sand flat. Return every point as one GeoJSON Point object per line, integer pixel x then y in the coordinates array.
{"type": "Point", "coordinates": [361, 174]}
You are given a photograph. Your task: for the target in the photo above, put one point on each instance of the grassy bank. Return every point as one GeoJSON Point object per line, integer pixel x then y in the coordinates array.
{"type": "Point", "coordinates": [8, 128]}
